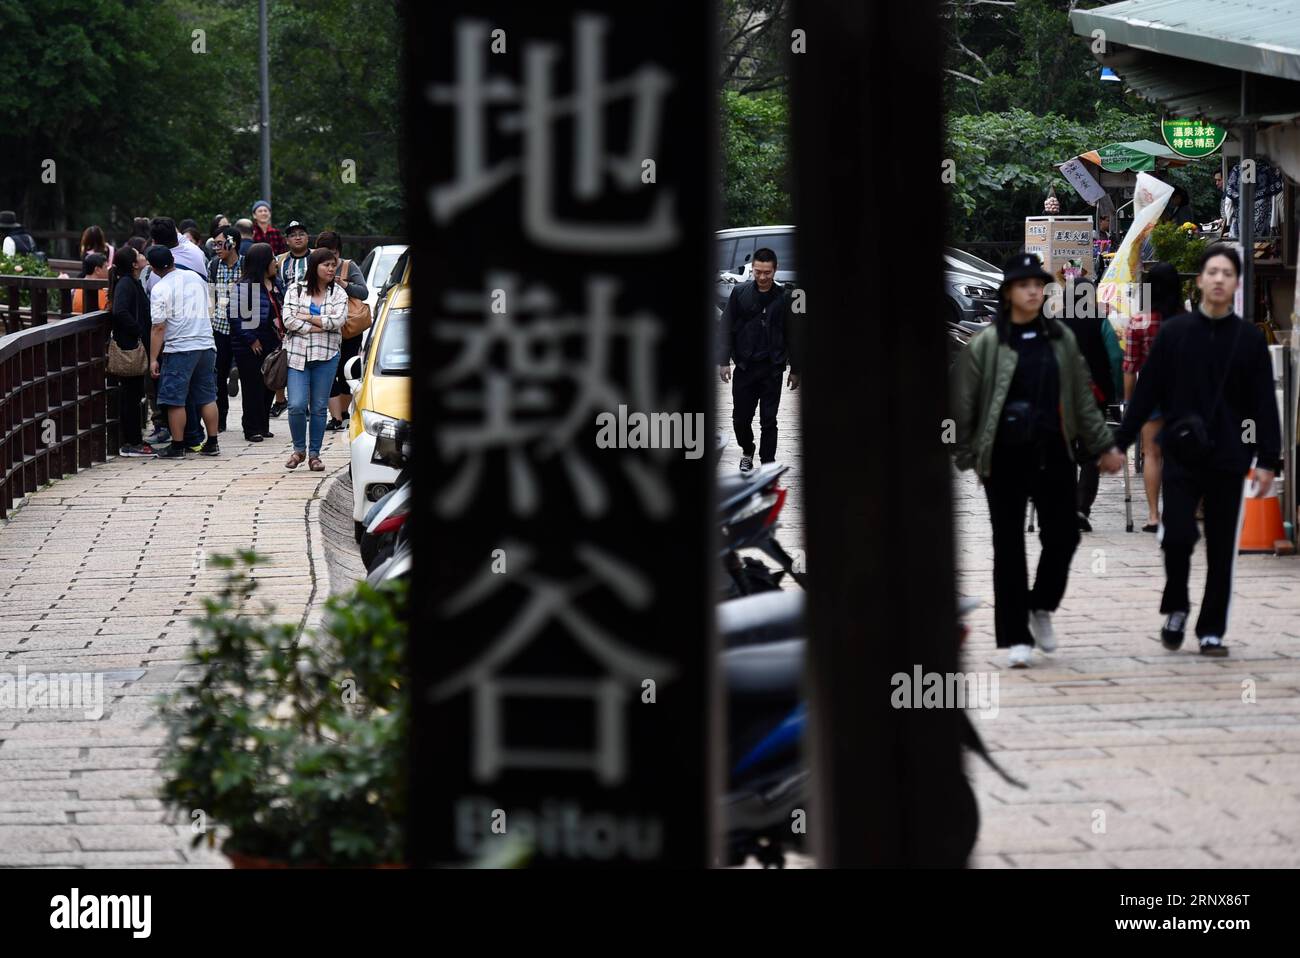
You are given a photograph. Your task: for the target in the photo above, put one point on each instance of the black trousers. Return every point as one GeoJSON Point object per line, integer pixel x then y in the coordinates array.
{"type": "Point", "coordinates": [130, 395]}
{"type": "Point", "coordinates": [1222, 492]}
{"type": "Point", "coordinates": [756, 387]}
{"type": "Point", "coordinates": [1047, 476]}
{"type": "Point", "coordinates": [224, 359]}
{"type": "Point", "coordinates": [256, 417]}
{"type": "Point", "coordinates": [1089, 479]}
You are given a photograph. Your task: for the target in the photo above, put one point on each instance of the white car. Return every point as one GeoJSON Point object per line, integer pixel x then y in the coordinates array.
{"type": "Point", "coordinates": [377, 267]}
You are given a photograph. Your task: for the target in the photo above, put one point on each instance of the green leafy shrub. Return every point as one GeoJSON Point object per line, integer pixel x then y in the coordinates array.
{"type": "Point", "coordinates": [22, 265]}
{"type": "Point", "coordinates": [297, 746]}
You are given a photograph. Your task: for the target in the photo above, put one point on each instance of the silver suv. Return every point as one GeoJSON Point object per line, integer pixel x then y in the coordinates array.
{"type": "Point", "coordinates": [735, 250]}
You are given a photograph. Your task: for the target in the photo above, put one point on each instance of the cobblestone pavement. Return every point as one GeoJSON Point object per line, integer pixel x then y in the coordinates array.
{"type": "Point", "coordinates": [1136, 757]}
{"type": "Point", "coordinates": [102, 573]}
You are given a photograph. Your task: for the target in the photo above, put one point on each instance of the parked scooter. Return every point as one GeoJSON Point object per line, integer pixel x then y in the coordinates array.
{"type": "Point", "coordinates": [768, 780]}
{"type": "Point", "coordinates": [388, 516]}
{"type": "Point", "coordinates": [748, 506]}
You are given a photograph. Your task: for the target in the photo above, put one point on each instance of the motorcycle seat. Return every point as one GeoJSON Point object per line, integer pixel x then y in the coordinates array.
{"type": "Point", "coordinates": [764, 617]}
{"type": "Point", "coordinates": [770, 669]}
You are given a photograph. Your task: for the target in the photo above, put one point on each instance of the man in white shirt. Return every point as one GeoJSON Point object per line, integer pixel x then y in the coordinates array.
{"type": "Point", "coordinates": [180, 309]}
{"type": "Point", "coordinates": [162, 230]}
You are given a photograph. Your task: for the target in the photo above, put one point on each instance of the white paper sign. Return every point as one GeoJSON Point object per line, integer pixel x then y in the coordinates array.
{"type": "Point", "coordinates": [1082, 181]}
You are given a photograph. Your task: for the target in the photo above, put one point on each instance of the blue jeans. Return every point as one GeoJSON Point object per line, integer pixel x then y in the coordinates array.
{"type": "Point", "coordinates": [309, 389]}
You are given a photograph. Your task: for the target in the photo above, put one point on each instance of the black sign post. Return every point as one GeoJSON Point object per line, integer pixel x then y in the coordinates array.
{"type": "Point", "coordinates": [561, 185]}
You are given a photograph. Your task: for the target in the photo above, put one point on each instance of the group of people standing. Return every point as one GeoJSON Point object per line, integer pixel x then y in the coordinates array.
{"type": "Point", "coordinates": [1028, 410]}
{"type": "Point", "coordinates": [210, 313]}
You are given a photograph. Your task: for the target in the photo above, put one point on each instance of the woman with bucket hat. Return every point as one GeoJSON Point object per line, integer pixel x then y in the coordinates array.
{"type": "Point", "coordinates": [1021, 397]}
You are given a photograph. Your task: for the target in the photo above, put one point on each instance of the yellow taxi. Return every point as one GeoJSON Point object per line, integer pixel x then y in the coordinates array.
{"type": "Point", "coordinates": [380, 379]}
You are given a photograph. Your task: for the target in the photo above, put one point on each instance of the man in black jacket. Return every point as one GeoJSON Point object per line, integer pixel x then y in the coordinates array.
{"type": "Point", "coordinates": [1210, 373]}
{"type": "Point", "coordinates": [753, 330]}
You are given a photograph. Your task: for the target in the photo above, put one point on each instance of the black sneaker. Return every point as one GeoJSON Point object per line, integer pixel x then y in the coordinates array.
{"type": "Point", "coordinates": [1213, 645]}
{"type": "Point", "coordinates": [232, 387]}
{"type": "Point", "coordinates": [268, 435]}
{"type": "Point", "coordinates": [746, 463]}
{"type": "Point", "coordinates": [1171, 635]}
{"type": "Point", "coordinates": [210, 448]}
{"type": "Point", "coordinates": [253, 438]}
{"type": "Point", "coordinates": [277, 408]}
{"type": "Point", "coordinates": [334, 425]}
{"type": "Point", "coordinates": [173, 450]}
{"type": "Point", "coordinates": [1084, 524]}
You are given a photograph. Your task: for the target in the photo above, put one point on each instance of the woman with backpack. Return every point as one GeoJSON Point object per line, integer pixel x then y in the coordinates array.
{"type": "Point", "coordinates": [1021, 398]}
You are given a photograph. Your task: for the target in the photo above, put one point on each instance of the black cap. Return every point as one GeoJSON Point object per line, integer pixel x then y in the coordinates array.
{"type": "Point", "coordinates": [1024, 266]}
{"type": "Point", "coordinates": [160, 257]}
{"type": "Point", "coordinates": [294, 225]}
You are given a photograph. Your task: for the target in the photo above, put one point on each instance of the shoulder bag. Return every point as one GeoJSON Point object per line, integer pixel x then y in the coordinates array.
{"type": "Point", "coordinates": [126, 363]}
{"type": "Point", "coordinates": [359, 318]}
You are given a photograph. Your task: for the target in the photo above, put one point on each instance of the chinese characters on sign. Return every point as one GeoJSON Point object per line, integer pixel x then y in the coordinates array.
{"type": "Point", "coordinates": [1189, 137]}
{"type": "Point", "coordinates": [565, 591]}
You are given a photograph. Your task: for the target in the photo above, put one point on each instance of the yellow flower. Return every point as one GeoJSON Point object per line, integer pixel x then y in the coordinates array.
{"type": "Point", "coordinates": [1190, 227]}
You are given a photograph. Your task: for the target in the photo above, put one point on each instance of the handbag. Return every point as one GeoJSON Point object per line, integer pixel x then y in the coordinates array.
{"type": "Point", "coordinates": [1188, 438]}
{"type": "Point", "coordinates": [275, 370]}
{"type": "Point", "coordinates": [125, 363]}
{"type": "Point", "coordinates": [359, 318]}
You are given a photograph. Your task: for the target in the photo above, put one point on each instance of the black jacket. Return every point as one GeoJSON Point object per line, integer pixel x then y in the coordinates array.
{"type": "Point", "coordinates": [1191, 357]}
{"type": "Point", "coordinates": [130, 314]}
{"type": "Point", "coordinates": [1087, 332]}
{"type": "Point", "coordinates": [740, 329]}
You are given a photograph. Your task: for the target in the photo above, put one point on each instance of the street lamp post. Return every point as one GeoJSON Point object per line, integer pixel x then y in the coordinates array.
{"type": "Point", "coordinates": [266, 101]}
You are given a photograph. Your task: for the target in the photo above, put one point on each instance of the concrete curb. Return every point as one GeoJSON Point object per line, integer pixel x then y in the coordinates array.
{"type": "Point", "coordinates": [316, 550]}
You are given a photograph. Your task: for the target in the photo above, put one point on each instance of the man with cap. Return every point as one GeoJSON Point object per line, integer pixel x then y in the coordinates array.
{"type": "Point", "coordinates": [263, 231]}
{"type": "Point", "coordinates": [1021, 398]}
{"type": "Point", "coordinates": [293, 264]}
{"type": "Point", "coordinates": [182, 325]}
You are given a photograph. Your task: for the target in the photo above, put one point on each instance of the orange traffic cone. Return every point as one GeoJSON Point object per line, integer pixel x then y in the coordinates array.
{"type": "Point", "coordinates": [1262, 529]}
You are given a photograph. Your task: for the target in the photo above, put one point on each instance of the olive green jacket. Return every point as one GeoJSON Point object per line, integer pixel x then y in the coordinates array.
{"type": "Point", "coordinates": [981, 378]}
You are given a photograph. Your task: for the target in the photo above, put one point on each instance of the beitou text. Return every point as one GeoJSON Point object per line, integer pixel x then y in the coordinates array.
{"type": "Point", "coordinates": [656, 430]}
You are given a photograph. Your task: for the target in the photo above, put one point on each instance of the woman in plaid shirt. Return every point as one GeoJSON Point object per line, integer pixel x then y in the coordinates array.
{"type": "Point", "coordinates": [1166, 302]}
{"type": "Point", "coordinates": [314, 311]}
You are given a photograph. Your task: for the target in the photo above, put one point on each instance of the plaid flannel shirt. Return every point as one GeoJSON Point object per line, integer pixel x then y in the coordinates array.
{"type": "Point", "coordinates": [270, 235]}
{"type": "Point", "coordinates": [303, 341]}
{"type": "Point", "coordinates": [223, 278]}
{"type": "Point", "coordinates": [1142, 331]}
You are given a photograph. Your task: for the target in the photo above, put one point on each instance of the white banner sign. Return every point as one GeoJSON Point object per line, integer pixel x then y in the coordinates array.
{"type": "Point", "coordinates": [1082, 181]}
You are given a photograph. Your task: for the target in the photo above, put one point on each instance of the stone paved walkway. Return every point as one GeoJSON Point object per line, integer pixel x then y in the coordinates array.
{"type": "Point", "coordinates": [1136, 757]}
{"type": "Point", "coordinates": [102, 572]}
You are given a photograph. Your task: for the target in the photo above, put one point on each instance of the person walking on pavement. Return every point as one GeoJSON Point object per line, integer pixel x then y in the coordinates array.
{"type": "Point", "coordinates": [755, 331]}
{"type": "Point", "coordinates": [1021, 398]}
{"type": "Point", "coordinates": [224, 270]}
{"type": "Point", "coordinates": [315, 309]}
{"type": "Point", "coordinates": [1166, 303]}
{"type": "Point", "coordinates": [182, 323]}
{"type": "Point", "coordinates": [1210, 373]}
{"type": "Point", "coordinates": [129, 311]}
{"type": "Point", "coordinates": [1080, 316]}
{"type": "Point", "coordinates": [254, 335]}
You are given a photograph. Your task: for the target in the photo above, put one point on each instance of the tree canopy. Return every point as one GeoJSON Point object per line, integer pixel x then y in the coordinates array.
{"type": "Point", "coordinates": [153, 109]}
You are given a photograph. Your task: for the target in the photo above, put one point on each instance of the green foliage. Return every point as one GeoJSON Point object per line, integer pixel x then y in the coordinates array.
{"type": "Point", "coordinates": [1177, 247]}
{"type": "Point", "coordinates": [1005, 165]}
{"type": "Point", "coordinates": [23, 265]}
{"type": "Point", "coordinates": [298, 747]}
{"type": "Point", "coordinates": [140, 123]}
{"type": "Point", "coordinates": [755, 159]}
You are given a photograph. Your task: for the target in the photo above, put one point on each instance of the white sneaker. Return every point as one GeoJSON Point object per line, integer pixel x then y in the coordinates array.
{"type": "Point", "coordinates": [1040, 627]}
{"type": "Point", "coordinates": [1019, 656]}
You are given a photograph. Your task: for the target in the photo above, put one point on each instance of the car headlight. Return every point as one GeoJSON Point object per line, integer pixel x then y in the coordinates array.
{"type": "Point", "coordinates": [978, 292]}
{"type": "Point", "coordinates": [377, 424]}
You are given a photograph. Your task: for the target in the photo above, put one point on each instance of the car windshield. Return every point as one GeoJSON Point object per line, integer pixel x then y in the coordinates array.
{"type": "Point", "coordinates": [384, 262]}
{"type": "Point", "coordinates": [395, 344]}
{"type": "Point", "coordinates": [964, 260]}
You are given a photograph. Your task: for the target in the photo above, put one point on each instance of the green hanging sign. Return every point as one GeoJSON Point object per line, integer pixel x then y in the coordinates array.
{"type": "Point", "coordinates": [1192, 138]}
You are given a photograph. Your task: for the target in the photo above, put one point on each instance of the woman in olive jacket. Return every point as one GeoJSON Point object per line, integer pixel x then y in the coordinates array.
{"type": "Point", "coordinates": [131, 326]}
{"type": "Point", "coordinates": [1021, 398]}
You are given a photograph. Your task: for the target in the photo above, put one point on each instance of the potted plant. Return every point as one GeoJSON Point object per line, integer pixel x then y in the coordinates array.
{"type": "Point", "coordinates": [294, 746]}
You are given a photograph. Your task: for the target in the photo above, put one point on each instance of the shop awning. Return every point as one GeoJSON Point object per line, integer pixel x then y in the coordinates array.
{"type": "Point", "coordinates": [1189, 54]}
{"type": "Point", "coordinates": [1135, 155]}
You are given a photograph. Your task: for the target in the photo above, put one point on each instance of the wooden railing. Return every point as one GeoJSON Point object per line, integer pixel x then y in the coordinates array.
{"type": "Point", "coordinates": [58, 409]}
{"type": "Point", "coordinates": [41, 309]}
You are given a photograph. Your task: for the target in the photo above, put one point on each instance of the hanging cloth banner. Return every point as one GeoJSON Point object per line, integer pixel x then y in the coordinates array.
{"type": "Point", "coordinates": [1119, 285]}
{"type": "Point", "coordinates": [1078, 177]}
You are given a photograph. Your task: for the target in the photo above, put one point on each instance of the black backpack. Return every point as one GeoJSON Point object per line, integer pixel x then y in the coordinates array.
{"type": "Point", "coordinates": [24, 245]}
